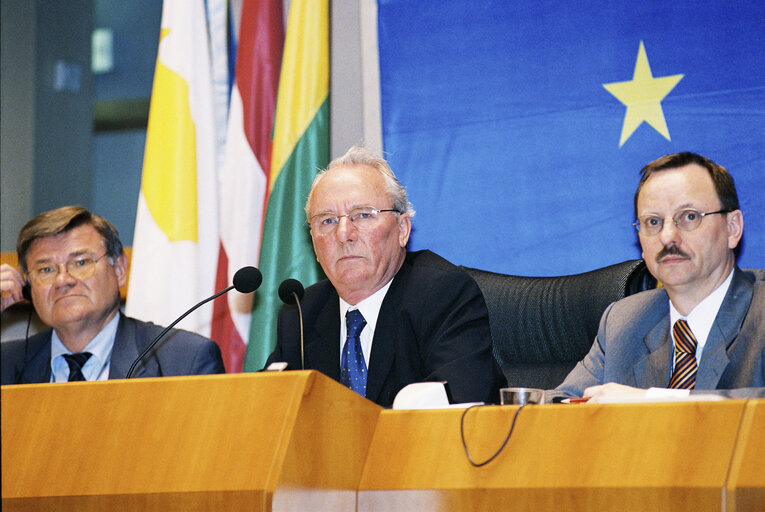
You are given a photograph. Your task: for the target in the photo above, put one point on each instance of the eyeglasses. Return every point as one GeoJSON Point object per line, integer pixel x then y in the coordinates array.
{"type": "Point", "coordinates": [687, 220]}
{"type": "Point", "coordinates": [79, 267]}
{"type": "Point", "coordinates": [362, 218]}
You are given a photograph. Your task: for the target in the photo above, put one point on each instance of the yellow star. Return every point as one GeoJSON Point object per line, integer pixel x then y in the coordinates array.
{"type": "Point", "coordinates": [642, 96]}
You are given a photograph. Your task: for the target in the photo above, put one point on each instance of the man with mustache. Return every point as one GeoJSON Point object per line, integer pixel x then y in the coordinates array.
{"type": "Point", "coordinates": [704, 331]}
{"type": "Point", "coordinates": [385, 317]}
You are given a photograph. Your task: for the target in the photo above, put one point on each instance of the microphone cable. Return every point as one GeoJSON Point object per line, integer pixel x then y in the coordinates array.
{"type": "Point", "coordinates": [464, 442]}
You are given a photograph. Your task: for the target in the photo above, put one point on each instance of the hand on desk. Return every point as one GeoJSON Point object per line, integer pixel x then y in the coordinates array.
{"type": "Point", "coordinates": [11, 284]}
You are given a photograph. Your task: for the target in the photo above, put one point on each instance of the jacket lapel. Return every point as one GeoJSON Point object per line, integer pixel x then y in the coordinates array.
{"type": "Point", "coordinates": [382, 356]}
{"type": "Point", "coordinates": [323, 350]}
{"type": "Point", "coordinates": [37, 364]}
{"type": "Point", "coordinates": [383, 347]}
{"type": "Point", "coordinates": [126, 350]}
{"type": "Point", "coordinates": [714, 358]}
{"type": "Point", "coordinates": [651, 370]}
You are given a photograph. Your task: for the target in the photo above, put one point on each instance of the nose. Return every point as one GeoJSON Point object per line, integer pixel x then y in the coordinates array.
{"type": "Point", "coordinates": [346, 231]}
{"type": "Point", "coordinates": [63, 278]}
{"type": "Point", "coordinates": [669, 233]}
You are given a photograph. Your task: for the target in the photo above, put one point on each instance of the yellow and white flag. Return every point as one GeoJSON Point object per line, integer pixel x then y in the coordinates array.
{"type": "Point", "coordinates": [175, 247]}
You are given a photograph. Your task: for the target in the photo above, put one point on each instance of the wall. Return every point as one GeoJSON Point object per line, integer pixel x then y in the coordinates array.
{"type": "Point", "coordinates": [17, 79]}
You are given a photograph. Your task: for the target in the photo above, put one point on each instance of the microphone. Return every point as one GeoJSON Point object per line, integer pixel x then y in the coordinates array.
{"type": "Point", "coordinates": [246, 280]}
{"type": "Point", "coordinates": [291, 292]}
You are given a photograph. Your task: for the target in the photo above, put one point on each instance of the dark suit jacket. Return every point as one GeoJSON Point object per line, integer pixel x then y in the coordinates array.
{"type": "Point", "coordinates": [634, 346]}
{"type": "Point", "coordinates": [433, 326]}
{"type": "Point", "coordinates": [178, 353]}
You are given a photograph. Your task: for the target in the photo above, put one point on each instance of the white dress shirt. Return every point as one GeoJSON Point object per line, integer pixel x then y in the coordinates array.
{"type": "Point", "coordinates": [370, 310]}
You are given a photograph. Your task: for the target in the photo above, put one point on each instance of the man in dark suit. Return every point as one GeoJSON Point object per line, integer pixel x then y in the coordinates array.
{"type": "Point", "coordinates": [75, 265]}
{"type": "Point", "coordinates": [704, 331]}
{"type": "Point", "coordinates": [385, 318]}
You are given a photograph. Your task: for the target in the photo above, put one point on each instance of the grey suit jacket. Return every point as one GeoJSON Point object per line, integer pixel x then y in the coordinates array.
{"type": "Point", "coordinates": [178, 353]}
{"type": "Point", "coordinates": [634, 346]}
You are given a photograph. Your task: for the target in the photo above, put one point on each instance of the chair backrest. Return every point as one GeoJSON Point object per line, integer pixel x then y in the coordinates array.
{"type": "Point", "coordinates": [542, 326]}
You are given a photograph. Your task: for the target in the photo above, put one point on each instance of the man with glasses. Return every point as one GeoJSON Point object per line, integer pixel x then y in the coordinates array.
{"type": "Point", "coordinates": [385, 317]}
{"type": "Point", "coordinates": [74, 265]}
{"type": "Point", "coordinates": [704, 330]}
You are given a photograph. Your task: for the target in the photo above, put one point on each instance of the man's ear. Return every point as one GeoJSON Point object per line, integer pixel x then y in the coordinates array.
{"type": "Point", "coordinates": [404, 228]}
{"type": "Point", "coordinates": [735, 224]}
{"type": "Point", "coordinates": [120, 268]}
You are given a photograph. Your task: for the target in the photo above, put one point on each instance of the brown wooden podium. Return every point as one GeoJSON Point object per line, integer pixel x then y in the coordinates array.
{"type": "Point", "coordinates": [263, 441]}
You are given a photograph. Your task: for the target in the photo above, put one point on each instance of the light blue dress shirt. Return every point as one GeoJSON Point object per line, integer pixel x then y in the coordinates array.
{"type": "Point", "coordinates": [97, 366]}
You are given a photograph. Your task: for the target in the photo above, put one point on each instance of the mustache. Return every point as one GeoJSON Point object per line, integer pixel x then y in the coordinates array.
{"type": "Point", "coordinates": [670, 250]}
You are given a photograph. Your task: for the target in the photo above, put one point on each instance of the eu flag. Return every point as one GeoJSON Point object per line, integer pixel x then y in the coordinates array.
{"type": "Point", "coordinates": [520, 128]}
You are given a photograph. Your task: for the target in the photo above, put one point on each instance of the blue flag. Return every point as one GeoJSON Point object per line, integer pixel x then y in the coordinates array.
{"type": "Point", "coordinates": [520, 128]}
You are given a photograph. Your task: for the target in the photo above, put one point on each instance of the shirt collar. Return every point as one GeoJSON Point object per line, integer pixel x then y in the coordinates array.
{"type": "Point", "coordinates": [100, 347]}
{"type": "Point", "coordinates": [701, 317]}
{"type": "Point", "coordinates": [369, 307]}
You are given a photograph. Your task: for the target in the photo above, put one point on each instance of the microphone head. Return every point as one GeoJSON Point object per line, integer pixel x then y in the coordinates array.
{"type": "Point", "coordinates": [287, 288]}
{"type": "Point", "coordinates": [247, 279]}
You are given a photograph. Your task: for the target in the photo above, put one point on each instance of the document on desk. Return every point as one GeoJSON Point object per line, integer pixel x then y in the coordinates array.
{"type": "Point", "coordinates": [654, 395]}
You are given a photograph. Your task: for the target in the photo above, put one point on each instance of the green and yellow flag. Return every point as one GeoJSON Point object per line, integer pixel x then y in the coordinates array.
{"type": "Point", "coordinates": [300, 149]}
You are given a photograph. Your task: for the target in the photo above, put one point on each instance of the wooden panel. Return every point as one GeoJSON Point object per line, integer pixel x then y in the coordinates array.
{"type": "Point", "coordinates": [746, 484]}
{"type": "Point", "coordinates": [217, 440]}
{"type": "Point", "coordinates": [561, 457]}
{"type": "Point", "coordinates": [327, 449]}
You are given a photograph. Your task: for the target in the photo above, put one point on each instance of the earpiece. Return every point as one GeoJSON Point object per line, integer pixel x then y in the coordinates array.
{"type": "Point", "coordinates": [26, 291]}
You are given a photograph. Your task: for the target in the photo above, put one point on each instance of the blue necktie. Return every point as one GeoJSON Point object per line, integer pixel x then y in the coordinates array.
{"type": "Point", "coordinates": [353, 369]}
{"type": "Point", "coordinates": [76, 362]}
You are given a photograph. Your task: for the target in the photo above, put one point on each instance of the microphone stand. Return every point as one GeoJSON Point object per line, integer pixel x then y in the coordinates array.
{"type": "Point", "coordinates": [165, 331]}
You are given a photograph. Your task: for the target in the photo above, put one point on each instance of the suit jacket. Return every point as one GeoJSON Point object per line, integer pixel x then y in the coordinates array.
{"type": "Point", "coordinates": [433, 326]}
{"type": "Point", "coordinates": [634, 345]}
{"type": "Point", "coordinates": [178, 353]}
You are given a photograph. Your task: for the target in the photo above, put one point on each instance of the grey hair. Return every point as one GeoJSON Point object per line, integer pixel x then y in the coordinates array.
{"type": "Point", "coordinates": [358, 155]}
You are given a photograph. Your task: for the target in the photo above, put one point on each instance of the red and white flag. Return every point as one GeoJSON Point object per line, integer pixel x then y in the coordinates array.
{"type": "Point", "coordinates": [245, 173]}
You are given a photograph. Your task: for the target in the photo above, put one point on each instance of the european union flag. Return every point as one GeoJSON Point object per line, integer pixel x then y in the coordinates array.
{"type": "Point", "coordinates": [520, 128]}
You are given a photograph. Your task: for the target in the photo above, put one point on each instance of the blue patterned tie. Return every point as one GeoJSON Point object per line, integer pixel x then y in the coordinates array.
{"type": "Point", "coordinates": [353, 369]}
{"type": "Point", "coordinates": [76, 362]}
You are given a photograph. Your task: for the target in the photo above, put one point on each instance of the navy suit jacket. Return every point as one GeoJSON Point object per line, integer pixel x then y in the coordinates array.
{"type": "Point", "coordinates": [178, 353]}
{"type": "Point", "coordinates": [634, 346]}
{"type": "Point", "coordinates": [433, 326]}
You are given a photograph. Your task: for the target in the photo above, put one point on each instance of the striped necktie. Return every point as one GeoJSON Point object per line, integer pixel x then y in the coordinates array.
{"type": "Point", "coordinates": [76, 362]}
{"type": "Point", "coordinates": [686, 367]}
{"type": "Point", "coordinates": [353, 368]}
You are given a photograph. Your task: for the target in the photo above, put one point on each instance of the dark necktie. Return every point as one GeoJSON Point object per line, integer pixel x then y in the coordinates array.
{"type": "Point", "coordinates": [353, 369]}
{"type": "Point", "coordinates": [76, 362]}
{"type": "Point", "coordinates": [686, 367]}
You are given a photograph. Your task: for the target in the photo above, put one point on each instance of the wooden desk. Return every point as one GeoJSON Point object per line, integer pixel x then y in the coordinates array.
{"type": "Point", "coordinates": [223, 442]}
{"type": "Point", "coordinates": [301, 441]}
{"type": "Point", "coordinates": [746, 483]}
{"type": "Point", "coordinates": [566, 457]}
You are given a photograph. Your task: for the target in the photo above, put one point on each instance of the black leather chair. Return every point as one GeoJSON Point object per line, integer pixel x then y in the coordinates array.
{"type": "Point", "coordinates": [542, 326]}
